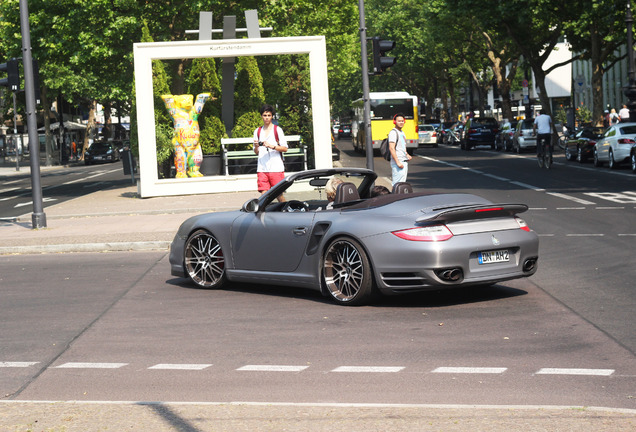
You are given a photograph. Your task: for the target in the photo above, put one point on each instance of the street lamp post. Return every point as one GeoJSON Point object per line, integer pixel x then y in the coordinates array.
{"type": "Point", "coordinates": [630, 90]}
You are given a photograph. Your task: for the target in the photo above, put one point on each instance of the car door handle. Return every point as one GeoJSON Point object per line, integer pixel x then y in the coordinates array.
{"type": "Point", "coordinates": [300, 231]}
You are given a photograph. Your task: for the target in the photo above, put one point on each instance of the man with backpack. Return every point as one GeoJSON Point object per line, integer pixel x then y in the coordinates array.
{"type": "Point", "coordinates": [269, 145]}
{"type": "Point", "coordinates": [397, 146]}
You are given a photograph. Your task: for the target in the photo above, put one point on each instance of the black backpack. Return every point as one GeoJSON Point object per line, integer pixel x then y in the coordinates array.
{"type": "Point", "coordinates": [385, 150]}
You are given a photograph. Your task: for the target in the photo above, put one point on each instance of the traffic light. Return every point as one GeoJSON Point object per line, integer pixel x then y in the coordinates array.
{"type": "Point", "coordinates": [380, 61]}
{"type": "Point", "coordinates": [13, 79]}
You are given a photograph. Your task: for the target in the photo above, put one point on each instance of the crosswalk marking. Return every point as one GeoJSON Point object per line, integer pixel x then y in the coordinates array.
{"type": "Point", "coordinates": [369, 369]}
{"type": "Point", "coordinates": [471, 370]}
{"type": "Point", "coordinates": [170, 366]}
{"type": "Point", "coordinates": [272, 368]}
{"type": "Point", "coordinates": [17, 364]}
{"type": "Point", "coordinates": [80, 365]}
{"type": "Point", "coordinates": [567, 371]}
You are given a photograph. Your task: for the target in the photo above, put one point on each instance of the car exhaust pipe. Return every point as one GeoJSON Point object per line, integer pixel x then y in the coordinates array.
{"type": "Point", "coordinates": [450, 275]}
{"type": "Point", "coordinates": [529, 264]}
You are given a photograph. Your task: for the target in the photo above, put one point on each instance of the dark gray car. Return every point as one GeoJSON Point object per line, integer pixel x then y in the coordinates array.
{"type": "Point", "coordinates": [356, 245]}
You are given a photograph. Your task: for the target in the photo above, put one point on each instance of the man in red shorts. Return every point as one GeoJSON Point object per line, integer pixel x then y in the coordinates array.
{"type": "Point", "coordinates": [269, 145]}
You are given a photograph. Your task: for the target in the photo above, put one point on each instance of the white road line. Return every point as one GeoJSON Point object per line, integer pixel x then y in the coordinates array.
{"type": "Point", "coordinates": [610, 208]}
{"type": "Point", "coordinates": [627, 235]}
{"type": "Point", "coordinates": [585, 235]}
{"type": "Point", "coordinates": [497, 177]}
{"type": "Point", "coordinates": [101, 173]}
{"type": "Point", "coordinates": [272, 368]}
{"type": "Point", "coordinates": [566, 371]}
{"type": "Point", "coordinates": [79, 365]}
{"type": "Point", "coordinates": [171, 366]}
{"type": "Point", "coordinates": [16, 364]}
{"type": "Point", "coordinates": [570, 208]}
{"type": "Point", "coordinates": [470, 370]}
{"type": "Point", "coordinates": [571, 198]}
{"type": "Point", "coordinates": [369, 369]}
{"type": "Point", "coordinates": [527, 186]}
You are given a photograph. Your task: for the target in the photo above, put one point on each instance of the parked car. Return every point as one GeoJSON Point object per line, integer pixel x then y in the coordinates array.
{"type": "Point", "coordinates": [390, 244]}
{"type": "Point", "coordinates": [580, 146]}
{"type": "Point", "coordinates": [101, 151]}
{"type": "Point", "coordinates": [524, 137]}
{"type": "Point", "coordinates": [503, 139]}
{"type": "Point", "coordinates": [335, 129]}
{"type": "Point", "coordinates": [479, 131]}
{"type": "Point", "coordinates": [344, 131]}
{"type": "Point", "coordinates": [616, 145]}
{"type": "Point", "coordinates": [427, 135]}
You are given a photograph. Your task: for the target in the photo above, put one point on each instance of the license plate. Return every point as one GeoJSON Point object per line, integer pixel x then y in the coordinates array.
{"type": "Point", "coordinates": [489, 257]}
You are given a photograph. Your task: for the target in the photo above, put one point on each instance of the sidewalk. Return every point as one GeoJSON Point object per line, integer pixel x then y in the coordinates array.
{"type": "Point", "coordinates": [113, 219]}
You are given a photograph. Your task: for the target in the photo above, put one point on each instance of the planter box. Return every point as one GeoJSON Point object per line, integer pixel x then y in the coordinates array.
{"type": "Point", "coordinates": [212, 165]}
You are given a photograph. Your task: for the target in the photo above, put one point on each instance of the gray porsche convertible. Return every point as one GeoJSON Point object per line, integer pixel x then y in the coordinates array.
{"type": "Point", "coordinates": [358, 244]}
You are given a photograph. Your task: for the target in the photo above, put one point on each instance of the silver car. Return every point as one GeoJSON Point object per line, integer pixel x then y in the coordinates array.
{"type": "Point", "coordinates": [524, 137]}
{"type": "Point", "coordinates": [616, 145]}
{"type": "Point", "coordinates": [356, 245]}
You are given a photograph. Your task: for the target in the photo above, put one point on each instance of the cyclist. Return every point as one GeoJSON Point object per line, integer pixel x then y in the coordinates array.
{"type": "Point", "coordinates": [542, 128]}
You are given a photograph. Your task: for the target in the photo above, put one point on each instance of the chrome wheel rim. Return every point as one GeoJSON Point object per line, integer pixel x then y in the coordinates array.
{"type": "Point", "coordinates": [343, 270]}
{"type": "Point", "coordinates": [633, 158]}
{"type": "Point", "coordinates": [204, 260]}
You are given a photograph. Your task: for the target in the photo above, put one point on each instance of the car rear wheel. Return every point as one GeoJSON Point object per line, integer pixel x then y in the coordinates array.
{"type": "Point", "coordinates": [632, 159]}
{"type": "Point", "coordinates": [597, 162]}
{"type": "Point", "coordinates": [346, 272]}
{"type": "Point", "coordinates": [579, 155]}
{"type": "Point", "coordinates": [568, 154]}
{"type": "Point", "coordinates": [204, 261]}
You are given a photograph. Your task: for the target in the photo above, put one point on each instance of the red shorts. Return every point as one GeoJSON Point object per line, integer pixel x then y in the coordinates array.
{"type": "Point", "coordinates": [266, 180]}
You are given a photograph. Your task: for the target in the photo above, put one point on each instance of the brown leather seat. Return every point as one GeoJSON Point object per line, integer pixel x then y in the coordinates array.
{"type": "Point", "coordinates": [346, 192]}
{"type": "Point", "coordinates": [402, 188]}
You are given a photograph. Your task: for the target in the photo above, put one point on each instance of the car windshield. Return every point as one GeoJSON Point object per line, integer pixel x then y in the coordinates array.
{"type": "Point", "coordinates": [99, 147]}
{"type": "Point", "coordinates": [487, 122]}
{"type": "Point", "coordinates": [426, 128]}
{"type": "Point", "coordinates": [527, 124]}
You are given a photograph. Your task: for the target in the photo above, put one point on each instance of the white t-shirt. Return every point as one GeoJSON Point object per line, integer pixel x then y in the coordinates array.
{"type": "Point", "coordinates": [270, 160]}
{"type": "Point", "coordinates": [400, 145]}
{"type": "Point", "coordinates": [624, 114]}
{"type": "Point", "coordinates": [544, 124]}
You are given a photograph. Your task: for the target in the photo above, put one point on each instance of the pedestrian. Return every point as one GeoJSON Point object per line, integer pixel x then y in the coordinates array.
{"type": "Point", "coordinates": [606, 118]}
{"type": "Point", "coordinates": [613, 117]}
{"type": "Point", "coordinates": [269, 145]}
{"type": "Point", "coordinates": [624, 114]}
{"type": "Point", "coordinates": [542, 129]}
{"type": "Point", "coordinates": [397, 145]}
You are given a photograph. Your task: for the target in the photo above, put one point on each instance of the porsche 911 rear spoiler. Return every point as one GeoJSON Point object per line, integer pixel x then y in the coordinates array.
{"type": "Point", "coordinates": [465, 213]}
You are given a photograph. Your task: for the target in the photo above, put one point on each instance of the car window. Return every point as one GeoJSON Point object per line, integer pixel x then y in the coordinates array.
{"type": "Point", "coordinates": [426, 128]}
{"type": "Point", "coordinates": [628, 130]}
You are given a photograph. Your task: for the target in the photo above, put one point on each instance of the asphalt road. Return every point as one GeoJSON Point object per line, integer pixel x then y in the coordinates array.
{"type": "Point", "coordinates": [58, 185]}
{"type": "Point", "coordinates": [117, 326]}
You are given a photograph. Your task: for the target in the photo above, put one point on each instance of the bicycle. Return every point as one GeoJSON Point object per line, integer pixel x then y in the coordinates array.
{"type": "Point", "coordinates": [544, 153]}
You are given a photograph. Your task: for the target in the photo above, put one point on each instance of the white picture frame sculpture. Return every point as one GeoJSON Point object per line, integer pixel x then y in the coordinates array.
{"type": "Point", "coordinates": [149, 184]}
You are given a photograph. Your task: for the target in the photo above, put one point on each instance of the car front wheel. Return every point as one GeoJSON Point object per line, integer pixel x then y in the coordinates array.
{"type": "Point", "coordinates": [632, 159]}
{"type": "Point", "coordinates": [346, 272]}
{"type": "Point", "coordinates": [612, 162]}
{"type": "Point", "coordinates": [204, 261]}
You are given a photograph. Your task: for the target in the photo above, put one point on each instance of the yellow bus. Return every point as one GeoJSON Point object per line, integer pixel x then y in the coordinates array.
{"type": "Point", "coordinates": [384, 105]}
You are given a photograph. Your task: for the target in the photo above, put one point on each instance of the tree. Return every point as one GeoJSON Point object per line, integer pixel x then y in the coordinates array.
{"type": "Point", "coordinates": [596, 31]}
{"type": "Point", "coordinates": [249, 95]}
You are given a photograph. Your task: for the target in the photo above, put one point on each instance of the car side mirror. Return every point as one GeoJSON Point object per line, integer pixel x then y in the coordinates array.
{"type": "Point", "coordinates": [251, 206]}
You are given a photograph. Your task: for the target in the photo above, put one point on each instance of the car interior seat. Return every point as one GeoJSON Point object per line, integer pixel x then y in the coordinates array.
{"type": "Point", "coordinates": [346, 192]}
{"type": "Point", "coordinates": [402, 188]}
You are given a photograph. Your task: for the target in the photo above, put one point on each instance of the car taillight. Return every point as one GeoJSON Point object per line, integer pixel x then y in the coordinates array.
{"type": "Point", "coordinates": [522, 224]}
{"type": "Point", "coordinates": [429, 233]}
{"type": "Point", "coordinates": [481, 210]}
{"type": "Point", "coordinates": [626, 141]}
{"type": "Point", "coordinates": [472, 131]}
{"type": "Point", "coordinates": [434, 134]}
